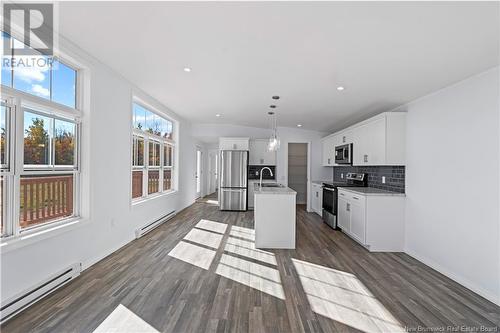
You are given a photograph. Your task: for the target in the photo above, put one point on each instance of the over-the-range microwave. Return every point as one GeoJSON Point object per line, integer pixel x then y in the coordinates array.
{"type": "Point", "coordinates": [343, 154]}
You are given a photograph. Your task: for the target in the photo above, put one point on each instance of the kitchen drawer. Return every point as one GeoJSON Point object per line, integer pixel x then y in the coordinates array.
{"type": "Point", "coordinates": [350, 196]}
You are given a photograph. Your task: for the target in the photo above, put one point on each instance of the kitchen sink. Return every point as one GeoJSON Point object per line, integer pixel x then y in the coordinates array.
{"type": "Point", "coordinates": [271, 185]}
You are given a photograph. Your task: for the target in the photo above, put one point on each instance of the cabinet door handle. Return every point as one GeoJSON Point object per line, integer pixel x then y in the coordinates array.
{"type": "Point", "coordinates": [355, 198]}
{"type": "Point", "coordinates": [343, 139]}
{"type": "Point", "coordinates": [328, 161]}
{"type": "Point", "coordinates": [317, 194]}
{"type": "Point", "coordinates": [261, 161]}
{"type": "Point", "coordinates": [342, 194]}
{"type": "Point", "coordinates": [348, 207]}
{"type": "Point", "coordinates": [365, 157]}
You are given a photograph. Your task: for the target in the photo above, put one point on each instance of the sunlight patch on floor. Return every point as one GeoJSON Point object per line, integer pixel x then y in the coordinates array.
{"type": "Point", "coordinates": [247, 249]}
{"type": "Point", "coordinates": [212, 226]}
{"type": "Point", "coordinates": [203, 237]}
{"type": "Point", "coordinates": [212, 202]}
{"type": "Point", "coordinates": [242, 232]}
{"type": "Point", "coordinates": [340, 296]}
{"type": "Point", "coordinates": [122, 320]}
{"type": "Point", "coordinates": [240, 260]}
{"type": "Point", "coordinates": [260, 277]}
{"type": "Point", "coordinates": [193, 254]}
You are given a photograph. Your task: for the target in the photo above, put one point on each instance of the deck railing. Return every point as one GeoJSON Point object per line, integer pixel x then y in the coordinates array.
{"type": "Point", "coordinates": [45, 198]}
{"type": "Point", "coordinates": [153, 181]}
{"type": "Point", "coordinates": [136, 183]}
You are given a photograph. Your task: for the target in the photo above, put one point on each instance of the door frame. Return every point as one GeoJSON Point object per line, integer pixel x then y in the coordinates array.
{"type": "Point", "coordinates": [212, 173]}
{"type": "Point", "coordinates": [308, 182]}
{"type": "Point", "coordinates": [198, 177]}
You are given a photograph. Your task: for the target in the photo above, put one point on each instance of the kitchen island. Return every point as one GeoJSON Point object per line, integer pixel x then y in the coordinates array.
{"type": "Point", "coordinates": [274, 215]}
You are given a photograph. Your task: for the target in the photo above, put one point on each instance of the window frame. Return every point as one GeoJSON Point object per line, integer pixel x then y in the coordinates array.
{"type": "Point", "coordinates": [151, 137]}
{"type": "Point", "coordinates": [16, 35]}
{"type": "Point", "coordinates": [20, 101]}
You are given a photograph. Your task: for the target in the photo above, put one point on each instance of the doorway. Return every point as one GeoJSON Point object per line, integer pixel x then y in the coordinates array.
{"type": "Point", "coordinates": [298, 170]}
{"type": "Point", "coordinates": [212, 171]}
{"type": "Point", "coordinates": [199, 156]}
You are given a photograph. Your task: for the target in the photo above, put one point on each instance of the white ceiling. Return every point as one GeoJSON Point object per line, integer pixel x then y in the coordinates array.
{"type": "Point", "coordinates": [384, 53]}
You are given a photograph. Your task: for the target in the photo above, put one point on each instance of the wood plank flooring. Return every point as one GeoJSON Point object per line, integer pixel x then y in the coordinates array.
{"type": "Point", "coordinates": [200, 272]}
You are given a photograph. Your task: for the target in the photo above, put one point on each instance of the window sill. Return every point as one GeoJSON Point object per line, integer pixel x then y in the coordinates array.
{"type": "Point", "coordinates": [141, 200]}
{"type": "Point", "coordinates": [11, 243]}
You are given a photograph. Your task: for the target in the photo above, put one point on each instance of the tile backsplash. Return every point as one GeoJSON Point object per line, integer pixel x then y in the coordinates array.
{"type": "Point", "coordinates": [254, 172]}
{"type": "Point", "coordinates": [394, 176]}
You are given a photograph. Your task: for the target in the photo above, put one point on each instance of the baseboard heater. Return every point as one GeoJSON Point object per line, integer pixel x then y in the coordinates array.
{"type": "Point", "coordinates": [156, 223]}
{"type": "Point", "coordinates": [19, 302]}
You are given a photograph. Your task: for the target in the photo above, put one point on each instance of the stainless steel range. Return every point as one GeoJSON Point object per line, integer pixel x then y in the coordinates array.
{"type": "Point", "coordinates": [330, 197]}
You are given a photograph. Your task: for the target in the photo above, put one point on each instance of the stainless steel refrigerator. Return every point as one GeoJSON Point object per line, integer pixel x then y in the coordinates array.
{"type": "Point", "coordinates": [233, 187]}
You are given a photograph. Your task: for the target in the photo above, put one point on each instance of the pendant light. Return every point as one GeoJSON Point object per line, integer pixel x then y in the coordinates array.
{"type": "Point", "coordinates": [274, 141]}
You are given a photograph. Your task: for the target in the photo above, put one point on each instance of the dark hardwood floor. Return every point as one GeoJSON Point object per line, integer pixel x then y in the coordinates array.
{"type": "Point", "coordinates": [210, 278]}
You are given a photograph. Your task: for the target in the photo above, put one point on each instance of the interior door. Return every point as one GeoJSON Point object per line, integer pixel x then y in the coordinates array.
{"type": "Point", "coordinates": [212, 172]}
{"type": "Point", "coordinates": [198, 172]}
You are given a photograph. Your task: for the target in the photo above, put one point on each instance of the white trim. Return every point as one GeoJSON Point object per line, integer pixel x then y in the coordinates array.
{"type": "Point", "coordinates": [155, 139]}
{"type": "Point", "coordinates": [152, 196]}
{"type": "Point", "coordinates": [458, 279]}
{"type": "Point", "coordinates": [11, 243]}
{"type": "Point", "coordinates": [52, 110]}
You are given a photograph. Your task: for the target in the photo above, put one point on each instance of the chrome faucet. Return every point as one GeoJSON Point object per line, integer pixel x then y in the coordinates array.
{"type": "Point", "coordinates": [261, 171]}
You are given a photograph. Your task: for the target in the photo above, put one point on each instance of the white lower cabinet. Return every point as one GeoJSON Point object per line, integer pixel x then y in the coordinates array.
{"type": "Point", "coordinates": [344, 215]}
{"type": "Point", "coordinates": [358, 223]}
{"type": "Point", "coordinates": [375, 221]}
{"type": "Point", "coordinates": [317, 198]}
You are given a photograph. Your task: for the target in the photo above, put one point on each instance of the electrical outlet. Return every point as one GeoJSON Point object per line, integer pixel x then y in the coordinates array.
{"type": "Point", "coordinates": [383, 179]}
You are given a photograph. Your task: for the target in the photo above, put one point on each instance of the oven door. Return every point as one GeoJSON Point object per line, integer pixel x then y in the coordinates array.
{"type": "Point", "coordinates": [330, 200]}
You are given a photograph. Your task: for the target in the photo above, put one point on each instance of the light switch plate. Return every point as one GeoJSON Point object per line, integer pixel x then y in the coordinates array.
{"type": "Point", "coordinates": [383, 179]}
{"type": "Point", "coordinates": [342, 175]}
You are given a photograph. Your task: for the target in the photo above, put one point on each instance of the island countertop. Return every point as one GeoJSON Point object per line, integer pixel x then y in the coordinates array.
{"type": "Point", "coordinates": [272, 190]}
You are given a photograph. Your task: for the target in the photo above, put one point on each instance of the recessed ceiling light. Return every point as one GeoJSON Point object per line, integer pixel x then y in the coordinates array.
{"type": "Point", "coordinates": [187, 69]}
{"type": "Point", "coordinates": [272, 106]}
{"type": "Point", "coordinates": [340, 88]}
{"type": "Point", "coordinates": [276, 97]}
{"type": "Point", "coordinates": [217, 115]}
{"type": "Point", "coordinates": [299, 125]}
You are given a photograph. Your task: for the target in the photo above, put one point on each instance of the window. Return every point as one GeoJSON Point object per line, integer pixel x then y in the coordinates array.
{"type": "Point", "coordinates": [50, 79]}
{"type": "Point", "coordinates": [5, 172]}
{"type": "Point", "coordinates": [39, 162]}
{"type": "Point", "coordinates": [152, 153]}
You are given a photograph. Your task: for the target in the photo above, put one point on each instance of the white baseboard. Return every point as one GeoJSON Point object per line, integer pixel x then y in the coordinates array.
{"type": "Point", "coordinates": [464, 282]}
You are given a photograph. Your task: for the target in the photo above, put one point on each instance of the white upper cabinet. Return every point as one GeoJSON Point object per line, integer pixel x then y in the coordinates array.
{"type": "Point", "coordinates": [343, 138]}
{"type": "Point", "coordinates": [234, 143]}
{"type": "Point", "coordinates": [328, 151]}
{"type": "Point", "coordinates": [369, 147]}
{"type": "Point", "coordinates": [259, 154]}
{"type": "Point", "coordinates": [377, 141]}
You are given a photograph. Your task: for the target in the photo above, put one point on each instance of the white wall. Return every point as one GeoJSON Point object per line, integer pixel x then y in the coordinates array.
{"type": "Point", "coordinates": [212, 132]}
{"type": "Point", "coordinates": [452, 182]}
{"type": "Point", "coordinates": [110, 219]}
